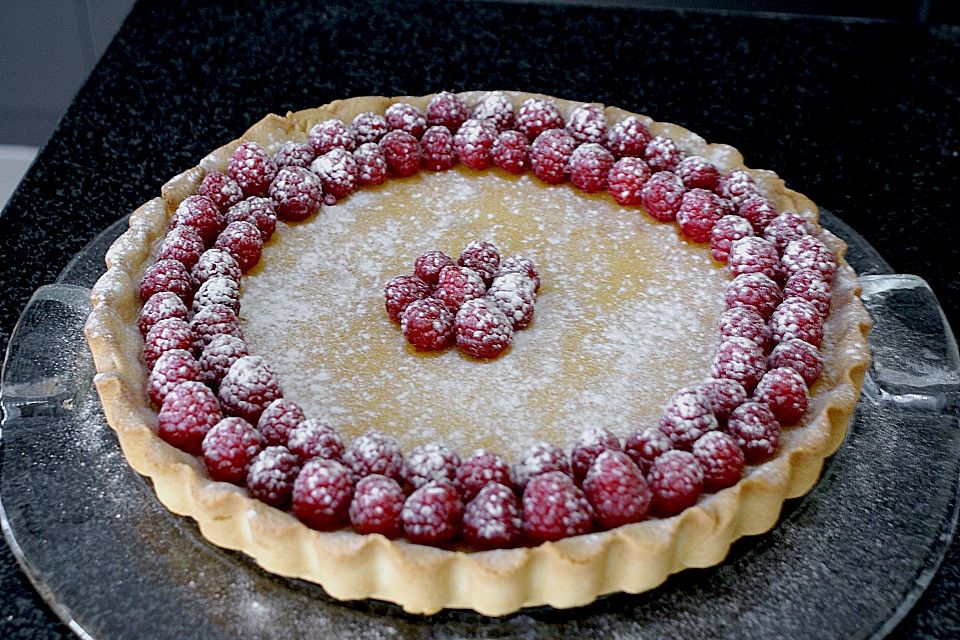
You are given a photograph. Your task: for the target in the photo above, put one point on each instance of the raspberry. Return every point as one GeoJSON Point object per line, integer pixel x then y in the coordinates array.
{"type": "Point", "coordinates": [368, 127]}
{"type": "Point", "coordinates": [294, 154]}
{"type": "Point", "coordinates": [626, 179]}
{"type": "Point", "coordinates": [809, 254]}
{"type": "Point", "coordinates": [218, 356]}
{"type": "Point", "coordinates": [754, 291]}
{"type": "Point", "coordinates": [221, 189]}
{"type": "Point", "coordinates": [243, 241]}
{"type": "Point", "coordinates": [374, 453]}
{"type": "Point", "coordinates": [520, 264]}
{"type": "Point", "coordinates": [261, 212]}
{"type": "Point", "coordinates": [166, 335]}
{"type": "Point", "coordinates": [473, 142]}
{"type": "Point", "coordinates": [497, 108]}
{"type": "Point", "coordinates": [617, 490]}
{"type": "Point", "coordinates": [252, 168]}
{"type": "Point", "coordinates": [514, 294]}
{"type": "Point", "coordinates": [213, 263]}
{"type": "Point", "coordinates": [661, 196]}
{"type": "Point", "coordinates": [212, 321]}
{"type": "Point", "coordinates": [540, 458]}
{"type": "Point", "coordinates": [271, 475]}
{"type": "Point", "coordinates": [549, 155]}
{"type": "Point", "coordinates": [160, 306]}
{"type": "Point", "coordinates": [428, 463]}
{"type": "Point", "coordinates": [402, 153]}
{"type": "Point", "coordinates": [645, 446]}
{"type": "Point", "coordinates": [721, 459]}
{"type": "Point", "coordinates": [166, 275]}
{"type": "Point", "coordinates": [723, 396]}
{"type": "Point", "coordinates": [629, 138]}
{"type": "Point", "coordinates": [687, 417]}
{"type": "Point", "coordinates": [337, 171]}
{"type": "Point", "coordinates": [492, 520]}
{"type": "Point", "coordinates": [589, 167]}
{"type": "Point", "coordinates": [229, 448]}
{"type": "Point", "coordinates": [436, 147]}
{"type": "Point", "coordinates": [249, 386]}
{"type": "Point", "coordinates": [511, 152]}
{"type": "Point", "coordinates": [802, 357]}
{"type": "Point", "coordinates": [218, 290]}
{"type": "Point", "coordinates": [428, 266]}
{"type": "Point", "coordinates": [322, 493]}
{"type": "Point", "coordinates": [297, 192]}
{"type": "Point", "coordinates": [479, 470]}
{"type": "Point", "coordinates": [457, 285]}
{"type": "Point", "coordinates": [662, 154]}
{"type": "Point", "coordinates": [797, 318]}
{"type": "Point", "coordinates": [182, 244]}
{"type": "Point", "coordinates": [758, 212]}
{"type": "Point", "coordinates": [676, 481]}
{"type": "Point", "coordinates": [330, 134]}
{"type": "Point", "coordinates": [697, 172]}
{"type": "Point", "coordinates": [554, 508]}
{"type": "Point", "coordinates": [482, 329]}
{"type": "Point", "coordinates": [376, 506]}
{"type": "Point", "coordinates": [754, 255]}
{"type": "Point", "coordinates": [743, 322]}
{"type": "Point", "coordinates": [699, 211]}
{"type": "Point", "coordinates": [741, 360]}
{"type": "Point", "coordinates": [400, 292]}
{"type": "Point", "coordinates": [427, 325]}
{"type": "Point", "coordinates": [756, 431]}
{"type": "Point", "coordinates": [536, 116]}
{"type": "Point", "coordinates": [277, 421]}
{"type": "Point", "coordinates": [371, 164]}
{"type": "Point", "coordinates": [432, 514]}
{"type": "Point", "coordinates": [725, 232]}
{"type": "Point", "coordinates": [314, 439]}
{"type": "Point", "coordinates": [483, 257]}
{"type": "Point", "coordinates": [591, 443]}
{"type": "Point", "coordinates": [172, 368]}
{"type": "Point", "coordinates": [448, 110]}
{"type": "Point", "coordinates": [738, 186]}
{"type": "Point", "coordinates": [188, 412]}
{"type": "Point", "coordinates": [784, 229]}
{"type": "Point", "coordinates": [785, 392]}
{"type": "Point", "coordinates": [810, 286]}
{"type": "Point", "coordinates": [407, 118]}
{"type": "Point", "coordinates": [588, 124]}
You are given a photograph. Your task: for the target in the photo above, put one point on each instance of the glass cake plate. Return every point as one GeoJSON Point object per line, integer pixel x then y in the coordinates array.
{"type": "Point", "coordinates": [846, 561]}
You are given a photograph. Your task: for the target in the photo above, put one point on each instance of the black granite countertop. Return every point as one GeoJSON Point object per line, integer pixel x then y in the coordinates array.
{"type": "Point", "coordinates": [863, 117]}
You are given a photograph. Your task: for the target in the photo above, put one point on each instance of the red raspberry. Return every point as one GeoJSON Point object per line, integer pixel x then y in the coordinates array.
{"type": "Point", "coordinates": [757, 211]}
{"type": "Point", "coordinates": [540, 458]}
{"type": "Point", "coordinates": [376, 506]}
{"type": "Point", "coordinates": [368, 127]}
{"type": "Point", "coordinates": [166, 335]}
{"type": "Point", "coordinates": [645, 446]}
{"type": "Point", "coordinates": [723, 396]}
{"type": "Point", "coordinates": [743, 322]}
{"type": "Point", "coordinates": [662, 154]}
{"type": "Point", "coordinates": [802, 357]}
{"type": "Point", "coordinates": [243, 241]}
{"type": "Point", "coordinates": [697, 172]}
{"type": "Point", "coordinates": [479, 470]}
{"type": "Point", "coordinates": [218, 356]}
{"type": "Point", "coordinates": [456, 285]}
{"type": "Point", "coordinates": [725, 232]}
{"type": "Point", "coordinates": [784, 229]}
{"type": "Point", "coordinates": [511, 152]}
{"type": "Point", "coordinates": [785, 392]}
{"type": "Point", "coordinates": [182, 244]}
{"type": "Point", "coordinates": [754, 255]}
{"type": "Point", "coordinates": [626, 179]}
{"type": "Point", "coordinates": [738, 186]}
{"type": "Point", "coordinates": [809, 254]}
{"type": "Point", "coordinates": [686, 417]}
{"type": "Point", "coordinates": [400, 292]}
{"type": "Point", "coordinates": [436, 147]}
{"type": "Point", "coordinates": [252, 168]}
{"type": "Point", "coordinates": [371, 164]}
{"type": "Point", "coordinates": [314, 439]}
{"type": "Point", "coordinates": [298, 193]}
{"type": "Point", "coordinates": [617, 490]}
{"type": "Point", "coordinates": [797, 318]}
{"type": "Point", "coordinates": [222, 189]}
{"type": "Point", "coordinates": [661, 196]}
{"type": "Point", "coordinates": [277, 421]}
{"type": "Point", "coordinates": [550, 154]}
{"type": "Point", "coordinates": [721, 459]}
{"type": "Point", "coordinates": [212, 321]}
{"type": "Point", "coordinates": [249, 386]}
{"type": "Point", "coordinates": [554, 508]}
{"type": "Point", "coordinates": [629, 138]}
{"type": "Point", "coordinates": [405, 117]}
{"type": "Point", "coordinates": [588, 123]}
{"type": "Point", "coordinates": [271, 475]}
{"type": "Point", "coordinates": [373, 453]}
{"type": "Point", "coordinates": [741, 360]}
{"type": "Point", "coordinates": [294, 154]}
{"type": "Point", "coordinates": [218, 290]}
{"type": "Point", "coordinates": [402, 153]}
{"type": "Point", "coordinates": [699, 211]}
{"type": "Point", "coordinates": [213, 263]}
{"type": "Point", "coordinates": [473, 143]}
{"type": "Point", "coordinates": [754, 291]}
{"type": "Point", "coordinates": [520, 264]}
{"type": "Point", "coordinates": [536, 116]}
{"type": "Point", "coordinates": [448, 110]}
{"type": "Point", "coordinates": [432, 514]}
{"type": "Point", "coordinates": [229, 448]}
{"type": "Point", "coordinates": [261, 212]}
{"type": "Point", "coordinates": [200, 213]}
{"type": "Point", "coordinates": [483, 257]}
{"type": "Point", "coordinates": [427, 325]}
{"type": "Point", "coordinates": [591, 443]}
{"type": "Point", "coordinates": [483, 331]}
{"type": "Point", "coordinates": [337, 171]}
{"type": "Point", "coordinates": [428, 463]}
{"type": "Point", "coordinates": [497, 108]}
{"type": "Point", "coordinates": [810, 286]}
{"type": "Point", "coordinates": [514, 294]}
{"type": "Point", "coordinates": [160, 306]}
{"type": "Point", "coordinates": [428, 266]}
{"type": "Point", "coordinates": [492, 520]}
{"type": "Point", "coordinates": [756, 431]}
{"type": "Point", "coordinates": [322, 493]}
{"type": "Point", "coordinates": [188, 412]}
{"type": "Point", "coordinates": [330, 134]}
{"type": "Point", "coordinates": [589, 167]}
{"type": "Point", "coordinates": [172, 368]}
{"type": "Point", "coordinates": [676, 481]}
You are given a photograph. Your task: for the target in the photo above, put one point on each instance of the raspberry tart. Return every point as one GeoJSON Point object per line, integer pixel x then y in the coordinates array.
{"type": "Point", "coordinates": [697, 349]}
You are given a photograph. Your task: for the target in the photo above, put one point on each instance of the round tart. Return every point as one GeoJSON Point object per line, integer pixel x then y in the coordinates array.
{"type": "Point", "coordinates": [633, 313]}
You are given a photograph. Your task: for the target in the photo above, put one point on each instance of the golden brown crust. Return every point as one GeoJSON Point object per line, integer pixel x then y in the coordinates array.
{"type": "Point", "coordinates": [567, 573]}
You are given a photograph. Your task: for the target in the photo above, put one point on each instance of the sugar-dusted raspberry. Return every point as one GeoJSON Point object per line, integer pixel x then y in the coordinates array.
{"type": "Point", "coordinates": [218, 290]}
{"type": "Point", "coordinates": [200, 213]}
{"type": "Point", "coordinates": [629, 138]}
{"type": "Point", "coordinates": [588, 124]}
{"type": "Point", "coordinates": [698, 172]}
{"type": "Point", "coordinates": [261, 212]}
{"type": "Point", "coordinates": [218, 356]}
{"type": "Point", "coordinates": [754, 255]}
{"type": "Point", "coordinates": [482, 329]}
{"type": "Point", "coordinates": [492, 519]}
{"type": "Point", "coordinates": [427, 324]}
{"type": "Point", "coordinates": [723, 396]}
{"type": "Point", "coordinates": [427, 267]}
{"type": "Point", "coordinates": [222, 189]}
{"type": "Point", "coordinates": [400, 292]}
{"type": "Point", "coordinates": [298, 193]}
{"type": "Point", "coordinates": [249, 386]}
{"type": "Point", "coordinates": [294, 154]}
{"type": "Point", "coordinates": [662, 154]}
{"type": "Point", "coordinates": [725, 232]}
{"type": "Point", "coordinates": [405, 117]}
{"type": "Point", "coordinates": [212, 321]}
{"type": "Point", "coordinates": [758, 211]}
{"type": "Point", "coordinates": [430, 462]}
{"type": "Point", "coordinates": [744, 322]}
{"type": "Point", "coordinates": [536, 116]}
{"type": "Point", "coordinates": [182, 244]}
{"type": "Point", "coordinates": [661, 196]}
{"type": "Point", "coordinates": [448, 110]}
{"type": "Point", "coordinates": [540, 458]}
{"type": "Point", "coordinates": [756, 430]}
{"type": "Point", "coordinates": [483, 257]}
{"type": "Point", "coordinates": [402, 153]}
{"type": "Point", "coordinates": [809, 253]}
{"type": "Point", "coordinates": [511, 152]}
{"type": "Point", "coordinates": [479, 470]}
{"type": "Point", "coordinates": [591, 443]}
{"type": "Point", "coordinates": [368, 127]}
{"type": "Point", "coordinates": [277, 421]}
{"type": "Point", "coordinates": [589, 167]}
{"type": "Point", "coordinates": [252, 168]}
{"type": "Point", "coordinates": [797, 318]}
{"type": "Point", "coordinates": [188, 412]}
{"type": "Point", "coordinates": [436, 149]}
{"type": "Point", "coordinates": [371, 164]}
{"type": "Point", "coordinates": [473, 143]}
{"type": "Point", "coordinates": [784, 229]}
{"type": "Point", "coordinates": [626, 179]}
{"type": "Point", "coordinates": [166, 335]}
{"type": "Point", "coordinates": [676, 481]}
{"type": "Point", "coordinates": [514, 294]}
{"type": "Point", "coordinates": [433, 513]}
{"type": "Point", "coordinates": [160, 306]}
{"type": "Point", "coordinates": [520, 264]}
{"type": "Point", "coordinates": [229, 448]}
{"type": "Point", "coordinates": [271, 475]}
{"type": "Point", "coordinates": [616, 488]}
{"type": "Point", "coordinates": [802, 357]}
{"type": "Point", "coordinates": [322, 494]}
{"type": "Point", "coordinates": [721, 459]}
{"type": "Point", "coordinates": [741, 360]}
{"type": "Point", "coordinates": [243, 241]}
{"type": "Point", "coordinates": [645, 446]}
{"type": "Point", "coordinates": [738, 186]}
{"type": "Point", "coordinates": [376, 506]}
{"type": "Point", "coordinates": [172, 368]}
{"type": "Point", "coordinates": [811, 286]}
{"type": "Point", "coordinates": [330, 134]}
{"type": "Point", "coordinates": [213, 263]}
{"type": "Point", "coordinates": [373, 453]}
{"type": "Point", "coordinates": [497, 108]}
{"type": "Point", "coordinates": [686, 417]}
{"type": "Point", "coordinates": [554, 508]}
{"type": "Point", "coordinates": [337, 170]}
{"type": "Point", "coordinates": [550, 154]}
{"type": "Point", "coordinates": [458, 284]}
{"type": "Point", "coordinates": [699, 211]}
{"type": "Point", "coordinates": [755, 291]}
{"type": "Point", "coordinates": [314, 439]}
{"type": "Point", "coordinates": [785, 392]}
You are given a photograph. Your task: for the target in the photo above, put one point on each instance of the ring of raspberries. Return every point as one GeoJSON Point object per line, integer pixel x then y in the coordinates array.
{"type": "Point", "coordinates": [226, 405]}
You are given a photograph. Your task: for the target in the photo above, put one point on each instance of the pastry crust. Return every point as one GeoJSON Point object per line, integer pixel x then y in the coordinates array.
{"type": "Point", "coordinates": [567, 573]}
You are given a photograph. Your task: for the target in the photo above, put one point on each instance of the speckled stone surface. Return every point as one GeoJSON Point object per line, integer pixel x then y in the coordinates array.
{"type": "Point", "coordinates": [861, 117]}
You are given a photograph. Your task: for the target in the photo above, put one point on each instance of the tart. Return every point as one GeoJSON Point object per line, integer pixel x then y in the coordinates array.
{"type": "Point", "coordinates": [626, 323]}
